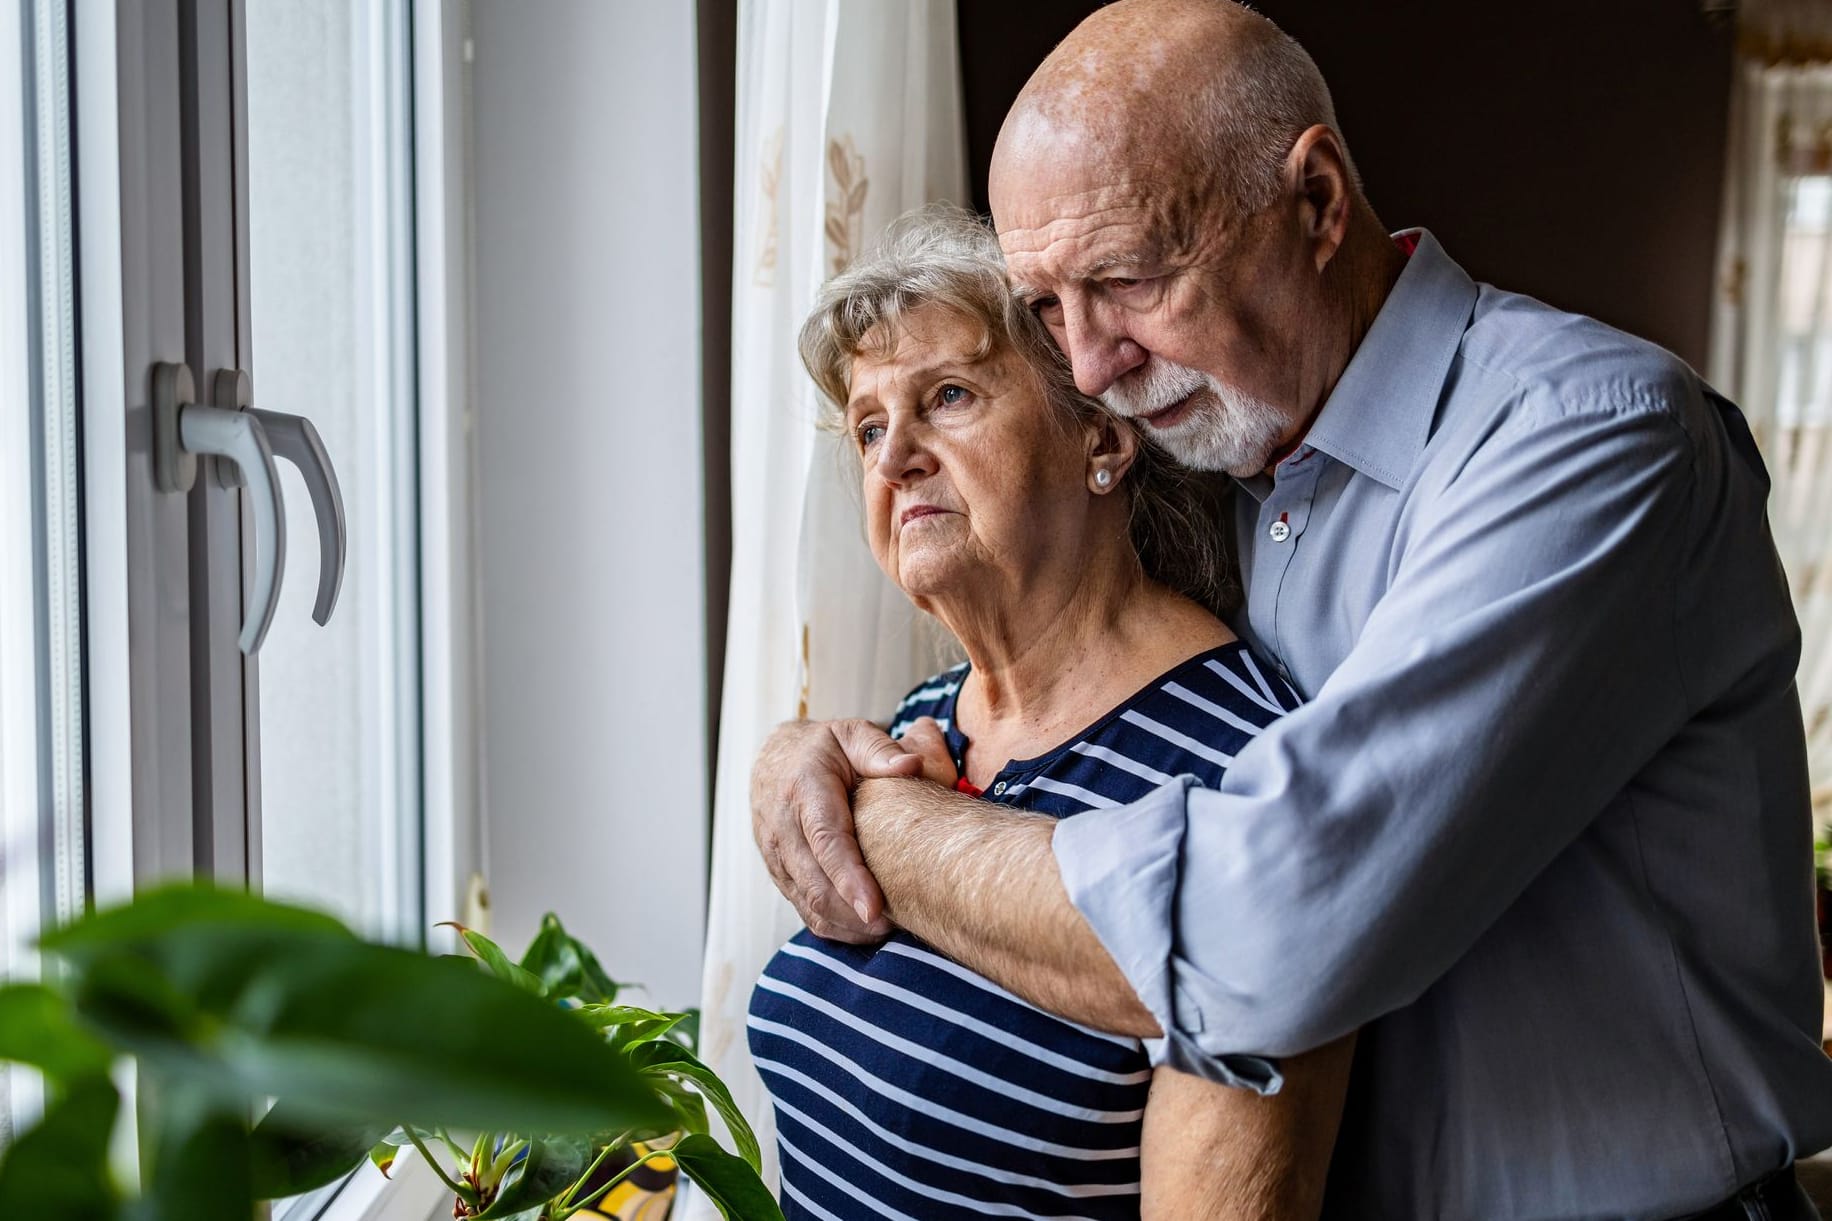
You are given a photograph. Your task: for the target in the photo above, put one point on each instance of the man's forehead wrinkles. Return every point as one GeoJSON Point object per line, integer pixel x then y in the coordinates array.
{"type": "Point", "coordinates": [1086, 210]}
{"type": "Point", "coordinates": [1077, 248]}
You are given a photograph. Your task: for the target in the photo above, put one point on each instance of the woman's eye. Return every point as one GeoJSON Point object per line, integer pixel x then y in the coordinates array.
{"type": "Point", "coordinates": [870, 434]}
{"type": "Point", "coordinates": [951, 395]}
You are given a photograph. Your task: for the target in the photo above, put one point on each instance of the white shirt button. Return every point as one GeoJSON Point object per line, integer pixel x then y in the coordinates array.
{"type": "Point", "coordinates": [1279, 531]}
{"type": "Point", "coordinates": [998, 789]}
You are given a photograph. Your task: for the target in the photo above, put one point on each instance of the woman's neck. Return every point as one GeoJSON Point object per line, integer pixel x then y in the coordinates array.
{"type": "Point", "coordinates": [1049, 659]}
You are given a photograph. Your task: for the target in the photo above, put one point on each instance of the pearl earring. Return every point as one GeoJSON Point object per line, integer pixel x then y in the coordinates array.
{"type": "Point", "coordinates": [1103, 476]}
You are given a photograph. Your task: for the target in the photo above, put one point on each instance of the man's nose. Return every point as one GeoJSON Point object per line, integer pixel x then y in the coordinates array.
{"type": "Point", "coordinates": [1098, 353]}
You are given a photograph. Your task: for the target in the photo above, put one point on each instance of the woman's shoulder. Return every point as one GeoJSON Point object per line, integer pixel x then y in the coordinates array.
{"type": "Point", "coordinates": [932, 697]}
{"type": "Point", "coordinates": [1191, 720]}
{"type": "Point", "coordinates": [1207, 706]}
{"type": "Point", "coordinates": [1228, 678]}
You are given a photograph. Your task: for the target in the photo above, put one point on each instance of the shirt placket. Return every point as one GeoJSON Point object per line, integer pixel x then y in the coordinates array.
{"type": "Point", "coordinates": [1283, 515]}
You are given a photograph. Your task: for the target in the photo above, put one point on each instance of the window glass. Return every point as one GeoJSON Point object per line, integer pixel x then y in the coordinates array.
{"type": "Point", "coordinates": [43, 861]}
{"type": "Point", "coordinates": [330, 293]}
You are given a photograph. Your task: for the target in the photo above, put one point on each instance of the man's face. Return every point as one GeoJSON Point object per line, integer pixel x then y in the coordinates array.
{"type": "Point", "coordinates": [1170, 312]}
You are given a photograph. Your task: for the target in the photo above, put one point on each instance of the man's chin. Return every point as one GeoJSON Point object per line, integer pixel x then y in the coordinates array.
{"type": "Point", "coordinates": [1198, 452]}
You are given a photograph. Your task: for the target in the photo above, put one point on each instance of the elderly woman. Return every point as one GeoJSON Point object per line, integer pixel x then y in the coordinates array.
{"type": "Point", "coordinates": [1083, 577]}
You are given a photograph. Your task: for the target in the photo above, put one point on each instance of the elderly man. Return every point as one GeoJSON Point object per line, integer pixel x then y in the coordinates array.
{"type": "Point", "coordinates": [1541, 832]}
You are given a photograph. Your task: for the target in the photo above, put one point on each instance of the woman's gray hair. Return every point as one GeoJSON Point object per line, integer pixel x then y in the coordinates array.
{"type": "Point", "coordinates": [948, 257]}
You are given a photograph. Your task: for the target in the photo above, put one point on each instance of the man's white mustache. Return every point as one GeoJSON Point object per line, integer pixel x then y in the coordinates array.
{"type": "Point", "coordinates": [1153, 387]}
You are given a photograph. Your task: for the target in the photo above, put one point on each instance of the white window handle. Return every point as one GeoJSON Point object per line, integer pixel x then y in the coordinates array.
{"type": "Point", "coordinates": [294, 438]}
{"type": "Point", "coordinates": [183, 429]}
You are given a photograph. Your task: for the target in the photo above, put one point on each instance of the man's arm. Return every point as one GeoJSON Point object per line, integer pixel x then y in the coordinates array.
{"type": "Point", "coordinates": [1524, 664]}
{"type": "Point", "coordinates": [1214, 1153]}
{"type": "Point", "coordinates": [979, 882]}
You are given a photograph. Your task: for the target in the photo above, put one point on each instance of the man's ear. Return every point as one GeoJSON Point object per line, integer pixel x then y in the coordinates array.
{"type": "Point", "coordinates": [1318, 171]}
{"type": "Point", "coordinates": [1113, 445]}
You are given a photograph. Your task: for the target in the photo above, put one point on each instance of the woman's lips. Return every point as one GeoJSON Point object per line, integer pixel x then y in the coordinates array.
{"type": "Point", "coordinates": [915, 511]}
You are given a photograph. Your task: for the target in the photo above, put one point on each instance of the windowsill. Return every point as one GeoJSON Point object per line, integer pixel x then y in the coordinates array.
{"type": "Point", "coordinates": [412, 1193]}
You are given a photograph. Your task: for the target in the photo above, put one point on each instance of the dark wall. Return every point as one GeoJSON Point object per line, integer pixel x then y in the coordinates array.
{"type": "Point", "coordinates": [1569, 149]}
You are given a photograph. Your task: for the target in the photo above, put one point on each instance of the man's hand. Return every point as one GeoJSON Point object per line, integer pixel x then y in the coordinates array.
{"type": "Point", "coordinates": [801, 816]}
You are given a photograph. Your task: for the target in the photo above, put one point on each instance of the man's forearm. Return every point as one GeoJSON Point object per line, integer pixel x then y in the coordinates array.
{"type": "Point", "coordinates": [979, 883]}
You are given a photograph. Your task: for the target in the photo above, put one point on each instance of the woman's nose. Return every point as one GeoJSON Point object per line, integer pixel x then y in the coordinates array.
{"type": "Point", "coordinates": [904, 455]}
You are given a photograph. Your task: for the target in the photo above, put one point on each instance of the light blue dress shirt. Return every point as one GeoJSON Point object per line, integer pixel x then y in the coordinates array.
{"type": "Point", "coordinates": [1542, 831]}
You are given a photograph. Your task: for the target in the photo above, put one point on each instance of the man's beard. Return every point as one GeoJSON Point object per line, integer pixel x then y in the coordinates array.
{"type": "Point", "coordinates": [1224, 429]}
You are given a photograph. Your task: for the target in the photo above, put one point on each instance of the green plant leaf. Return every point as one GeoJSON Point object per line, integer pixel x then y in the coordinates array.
{"type": "Point", "coordinates": [39, 1027]}
{"type": "Point", "coordinates": [384, 1153]}
{"type": "Point", "coordinates": [566, 967]}
{"type": "Point", "coordinates": [628, 1025]}
{"type": "Point", "coordinates": [729, 1182]}
{"type": "Point", "coordinates": [492, 956]}
{"type": "Point", "coordinates": [549, 1168]}
{"type": "Point", "coordinates": [689, 1106]}
{"type": "Point", "coordinates": [153, 914]}
{"type": "Point", "coordinates": [293, 1155]}
{"type": "Point", "coordinates": [676, 1061]}
{"type": "Point", "coordinates": [187, 951]}
{"type": "Point", "coordinates": [344, 1030]}
{"type": "Point", "coordinates": [59, 1168]}
{"type": "Point", "coordinates": [687, 1034]}
{"type": "Point", "coordinates": [369, 1030]}
{"type": "Point", "coordinates": [606, 1016]}
{"type": "Point", "coordinates": [201, 1170]}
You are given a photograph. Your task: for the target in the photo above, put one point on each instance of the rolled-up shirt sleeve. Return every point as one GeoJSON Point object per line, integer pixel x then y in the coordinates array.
{"type": "Point", "coordinates": [1521, 666]}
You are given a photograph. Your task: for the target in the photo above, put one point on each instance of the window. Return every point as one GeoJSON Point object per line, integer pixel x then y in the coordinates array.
{"type": "Point", "coordinates": [44, 867]}
{"type": "Point", "coordinates": [330, 278]}
{"type": "Point", "coordinates": [1772, 336]}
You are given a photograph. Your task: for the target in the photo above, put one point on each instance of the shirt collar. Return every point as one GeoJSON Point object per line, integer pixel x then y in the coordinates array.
{"type": "Point", "coordinates": [1378, 418]}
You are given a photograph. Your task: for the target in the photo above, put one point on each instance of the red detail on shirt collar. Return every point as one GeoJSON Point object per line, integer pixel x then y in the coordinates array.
{"type": "Point", "coordinates": [1407, 243]}
{"type": "Point", "coordinates": [964, 785]}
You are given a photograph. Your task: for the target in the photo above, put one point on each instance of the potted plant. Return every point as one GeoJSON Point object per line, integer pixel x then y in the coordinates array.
{"type": "Point", "coordinates": [531, 1177]}
{"type": "Point", "coordinates": [224, 1001]}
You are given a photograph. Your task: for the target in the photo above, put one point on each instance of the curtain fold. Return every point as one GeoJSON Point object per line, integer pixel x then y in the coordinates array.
{"type": "Point", "coordinates": [848, 115]}
{"type": "Point", "coordinates": [1772, 334]}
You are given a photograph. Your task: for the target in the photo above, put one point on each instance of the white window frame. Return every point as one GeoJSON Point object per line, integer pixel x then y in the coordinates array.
{"type": "Point", "coordinates": [43, 825]}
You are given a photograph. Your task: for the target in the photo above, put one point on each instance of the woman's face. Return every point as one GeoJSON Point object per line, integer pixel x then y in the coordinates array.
{"type": "Point", "coordinates": [967, 477]}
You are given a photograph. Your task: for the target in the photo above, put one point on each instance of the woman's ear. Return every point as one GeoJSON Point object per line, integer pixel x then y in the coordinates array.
{"type": "Point", "coordinates": [1112, 446]}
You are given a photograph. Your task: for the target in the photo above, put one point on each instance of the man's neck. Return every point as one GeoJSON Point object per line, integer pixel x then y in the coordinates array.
{"type": "Point", "coordinates": [1361, 277]}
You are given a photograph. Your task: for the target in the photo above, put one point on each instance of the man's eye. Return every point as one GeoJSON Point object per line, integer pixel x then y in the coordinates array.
{"type": "Point", "coordinates": [869, 435]}
{"type": "Point", "coordinates": [1047, 309]}
{"type": "Point", "coordinates": [1122, 282]}
{"type": "Point", "coordinates": [951, 395]}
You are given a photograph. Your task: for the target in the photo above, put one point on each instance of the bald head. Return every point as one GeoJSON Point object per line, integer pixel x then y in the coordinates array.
{"type": "Point", "coordinates": [1208, 92]}
{"type": "Point", "coordinates": [1174, 202]}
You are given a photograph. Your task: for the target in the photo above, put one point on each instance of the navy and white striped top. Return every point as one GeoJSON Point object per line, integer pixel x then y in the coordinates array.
{"type": "Point", "coordinates": [907, 1086]}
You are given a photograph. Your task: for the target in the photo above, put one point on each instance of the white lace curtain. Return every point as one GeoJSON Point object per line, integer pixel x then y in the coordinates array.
{"type": "Point", "coordinates": [1772, 336]}
{"type": "Point", "coordinates": [849, 114]}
